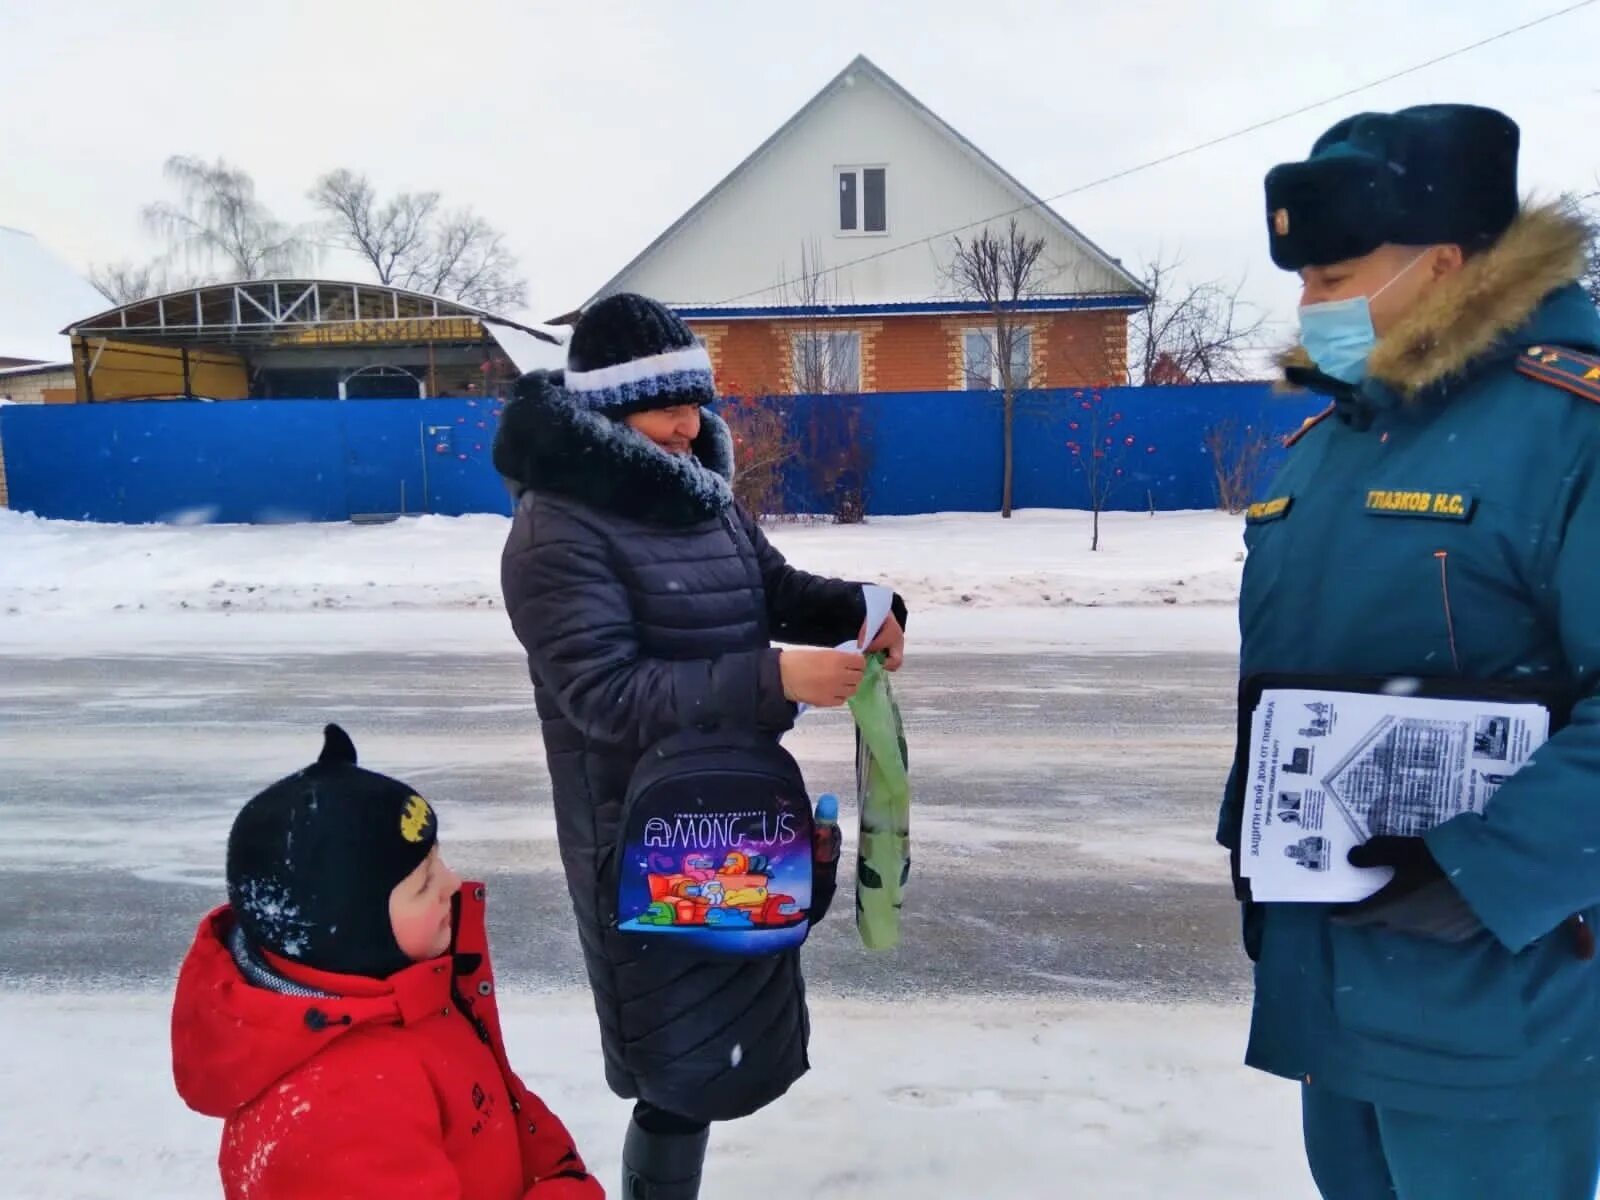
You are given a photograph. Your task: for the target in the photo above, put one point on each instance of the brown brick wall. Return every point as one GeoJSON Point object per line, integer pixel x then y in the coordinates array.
{"type": "Point", "coordinates": [712, 336]}
{"type": "Point", "coordinates": [744, 355]}
{"type": "Point", "coordinates": [1083, 349]}
{"type": "Point", "coordinates": [920, 354]}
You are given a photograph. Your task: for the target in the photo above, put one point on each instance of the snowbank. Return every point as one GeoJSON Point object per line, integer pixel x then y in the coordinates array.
{"type": "Point", "coordinates": [970, 579]}
{"type": "Point", "coordinates": [990, 1097]}
{"type": "Point", "coordinates": [1037, 559]}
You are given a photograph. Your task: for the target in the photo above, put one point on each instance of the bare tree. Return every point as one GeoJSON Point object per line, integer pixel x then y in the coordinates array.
{"type": "Point", "coordinates": [1190, 332]}
{"type": "Point", "coordinates": [1001, 271]}
{"type": "Point", "coordinates": [834, 447]}
{"type": "Point", "coordinates": [1240, 455]}
{"type": "Point", "coordinates": [472, 264]}
{"type": "Point", "coordinates": [826, 359]}
{"type": "Point", "coordinates": [411, 242]}
{"type": "Point", "coordinates": [392, 237]}
{"type": "Point", "coordinates": [218, 226]}
{"type": "Point", "coordinates": [125, 282]}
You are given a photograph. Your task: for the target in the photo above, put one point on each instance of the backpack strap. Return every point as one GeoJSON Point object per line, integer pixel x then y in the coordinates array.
{"type": "Point", "coordinates": [1308, 425]}
{"type": "Point", "coordinates": [1565, 369]}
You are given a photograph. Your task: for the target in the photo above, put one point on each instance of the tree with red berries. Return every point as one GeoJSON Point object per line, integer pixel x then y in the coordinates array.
{"type": "Point", "coordinates": [762, 448]}
{"type": "Point", "coordinates": [1102, 452]}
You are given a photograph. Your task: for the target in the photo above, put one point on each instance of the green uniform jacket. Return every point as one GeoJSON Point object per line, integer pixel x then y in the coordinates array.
{"type": "Point", "coordinates": [1444, 521]}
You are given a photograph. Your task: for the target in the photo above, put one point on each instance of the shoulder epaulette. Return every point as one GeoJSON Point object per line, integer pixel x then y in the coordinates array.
{"type": "Point", "coordinates": [1307, 426]}
{"type": "Point", "coordinates": [1565, 369]}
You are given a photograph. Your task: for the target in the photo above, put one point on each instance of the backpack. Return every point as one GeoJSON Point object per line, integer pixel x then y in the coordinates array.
{"type": "Point", "coordinates": [715, 847]}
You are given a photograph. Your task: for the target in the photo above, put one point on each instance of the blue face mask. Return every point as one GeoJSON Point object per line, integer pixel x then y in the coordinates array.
{"type": "Point", "coordinates": [1338, 334]}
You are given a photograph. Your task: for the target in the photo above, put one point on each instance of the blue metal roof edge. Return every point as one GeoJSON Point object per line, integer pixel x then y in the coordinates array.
{"type": "Point", "coordinates": [911, 308]}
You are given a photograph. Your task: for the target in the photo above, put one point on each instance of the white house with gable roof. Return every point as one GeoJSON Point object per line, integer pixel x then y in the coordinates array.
{"type": "Point", "coordinates": [844, 222]}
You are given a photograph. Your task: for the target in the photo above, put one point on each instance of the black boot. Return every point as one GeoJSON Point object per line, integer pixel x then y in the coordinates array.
{"type": "Point", "coordinates": [662, 1166]}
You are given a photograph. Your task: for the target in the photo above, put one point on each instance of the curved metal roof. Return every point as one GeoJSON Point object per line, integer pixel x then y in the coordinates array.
{"type": "Point", "coordinates": [268, 311]}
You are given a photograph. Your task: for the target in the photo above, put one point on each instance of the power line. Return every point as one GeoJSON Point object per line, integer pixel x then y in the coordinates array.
{"type": "Point", "coordinates": [1187, 151]}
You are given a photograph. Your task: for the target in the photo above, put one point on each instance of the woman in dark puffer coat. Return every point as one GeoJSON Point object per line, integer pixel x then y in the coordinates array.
{"type": "Point", "coordinates": [647, 601]}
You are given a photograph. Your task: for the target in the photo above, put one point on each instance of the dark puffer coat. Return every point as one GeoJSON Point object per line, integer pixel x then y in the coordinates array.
{"type": "Point", "coordinates": [647, 602]}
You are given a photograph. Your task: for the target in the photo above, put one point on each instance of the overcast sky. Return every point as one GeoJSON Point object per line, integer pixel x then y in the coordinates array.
{"type": "Point", "coordinates": [583, 129]}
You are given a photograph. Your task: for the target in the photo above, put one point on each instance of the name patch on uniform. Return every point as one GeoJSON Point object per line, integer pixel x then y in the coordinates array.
{"type": "Point", "coordinates": [1268, 510]}
{"type": "Point", "coordinates": [1441, 506]}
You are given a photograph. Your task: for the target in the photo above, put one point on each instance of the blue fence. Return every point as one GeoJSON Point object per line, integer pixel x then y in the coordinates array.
{"type": "Point", "coordinates": [329, 460]}
{"type": "Point", "coordinates": [251, 461]}
{"type": "Point", "coordinates": [943, 451]}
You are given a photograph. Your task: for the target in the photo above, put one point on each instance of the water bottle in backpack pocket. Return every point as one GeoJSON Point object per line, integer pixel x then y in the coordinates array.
{"type": "Point", "coordinates": [715, 848]}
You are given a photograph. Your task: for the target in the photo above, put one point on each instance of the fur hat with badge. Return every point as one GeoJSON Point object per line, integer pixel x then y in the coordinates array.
{"type": "Point", "coordinates": [313, 859]}
{"type": "Point", "coordinates": [1428, 175]}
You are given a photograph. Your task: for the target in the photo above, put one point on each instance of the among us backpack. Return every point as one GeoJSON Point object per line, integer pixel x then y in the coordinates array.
{"type": "Point", "coordinates": [715, 847]}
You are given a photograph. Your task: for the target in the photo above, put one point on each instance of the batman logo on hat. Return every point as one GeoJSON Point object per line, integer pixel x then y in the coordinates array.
{"type": "Point", "coordinates": [414, 819]}
{"type": "Point", "coordinates": [320, 844]}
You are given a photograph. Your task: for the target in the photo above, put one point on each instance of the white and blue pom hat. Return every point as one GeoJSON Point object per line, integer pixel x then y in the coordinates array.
{"type": "Point", "coordinates": [629, 354]}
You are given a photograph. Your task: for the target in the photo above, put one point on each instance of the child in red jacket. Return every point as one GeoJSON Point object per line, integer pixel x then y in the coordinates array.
{"type": "Point", "coordinates": [339, 1012]}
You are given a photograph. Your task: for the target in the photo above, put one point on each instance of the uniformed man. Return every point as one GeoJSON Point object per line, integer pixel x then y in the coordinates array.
{"type": "Point", "coordinates": [1439, 522]}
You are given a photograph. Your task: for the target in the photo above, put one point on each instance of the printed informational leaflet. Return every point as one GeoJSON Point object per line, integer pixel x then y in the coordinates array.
{"type": "Point", "coordinates": [1326, 770]}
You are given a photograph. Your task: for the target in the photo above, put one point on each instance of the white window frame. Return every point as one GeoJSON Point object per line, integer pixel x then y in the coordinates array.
{"type": "Point", "coordinates": [796, 349]}
{"type": "Point", "coordinates": [991, 335]}
{"type": "Point", "coordinates": [859, 170]}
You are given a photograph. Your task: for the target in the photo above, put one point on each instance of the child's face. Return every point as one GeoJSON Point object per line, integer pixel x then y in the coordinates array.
{"type": "Point", "coordinates": [419, 908]}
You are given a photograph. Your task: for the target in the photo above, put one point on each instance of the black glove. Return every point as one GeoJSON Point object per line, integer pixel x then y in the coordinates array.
{"type": "Point", "coordinates": [824, 884]}
{"type": "Point", "coordinates": [827, 845]}
{"type": "Point", "coordinates": [1418, 900]}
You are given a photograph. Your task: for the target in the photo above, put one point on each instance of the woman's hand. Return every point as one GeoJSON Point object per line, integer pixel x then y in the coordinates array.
{"type": "Point", "coordinates": [891, 642]}
{"type": "Point", "coordinates": [821, 678]}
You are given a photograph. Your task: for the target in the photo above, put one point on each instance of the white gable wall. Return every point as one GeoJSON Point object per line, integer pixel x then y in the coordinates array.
{"type": "Point", "coordinates": [39, 297]}
{"type": "Point", "coordinates": [749, 235]}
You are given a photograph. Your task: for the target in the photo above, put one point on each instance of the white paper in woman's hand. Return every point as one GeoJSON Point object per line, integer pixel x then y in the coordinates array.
{"type": "Point", "coordinates": [880, 601]}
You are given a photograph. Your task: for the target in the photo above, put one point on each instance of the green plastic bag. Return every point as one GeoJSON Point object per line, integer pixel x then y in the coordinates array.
{"type": "Point", "coordinates": [883, 798]}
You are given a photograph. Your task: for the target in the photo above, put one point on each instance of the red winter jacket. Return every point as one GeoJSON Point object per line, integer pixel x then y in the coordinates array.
{"type": "Point", "coordinates": [396, 1087]}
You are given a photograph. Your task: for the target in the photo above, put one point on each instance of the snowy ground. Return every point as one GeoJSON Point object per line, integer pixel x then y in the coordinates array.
{"type": "Point", "coordinates": [973, 580]}
{"type": "Point", "coordinates": [1067, 1010]}
{"type": "Point", "coordinates": [973, 583]}
{"type": "Point", "coordinates": [1037, 559]}
{"type": "Point", "coordinates": [984, 1097]}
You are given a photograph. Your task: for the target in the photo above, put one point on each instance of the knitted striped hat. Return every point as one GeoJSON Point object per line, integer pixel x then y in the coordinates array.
{"type": "Point", "coordinates": [629, 354]}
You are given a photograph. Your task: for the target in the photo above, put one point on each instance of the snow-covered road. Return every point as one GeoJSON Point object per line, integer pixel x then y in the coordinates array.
{"type": "Point", "coordinates": [1062, 838]}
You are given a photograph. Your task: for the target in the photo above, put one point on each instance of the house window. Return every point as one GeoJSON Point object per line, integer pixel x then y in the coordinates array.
{"type": "Point", "coordinates": [826, 361]}
{"type": "Point", "coordinates": [863, 200]}
{"type": "Point", "coordinates": [982, 364]}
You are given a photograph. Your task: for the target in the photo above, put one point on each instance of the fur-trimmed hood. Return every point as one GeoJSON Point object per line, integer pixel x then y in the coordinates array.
{"type": "Point", "coordinates": [1476, 315]}
{"type": "Point", "coordinates": [549, 442]}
